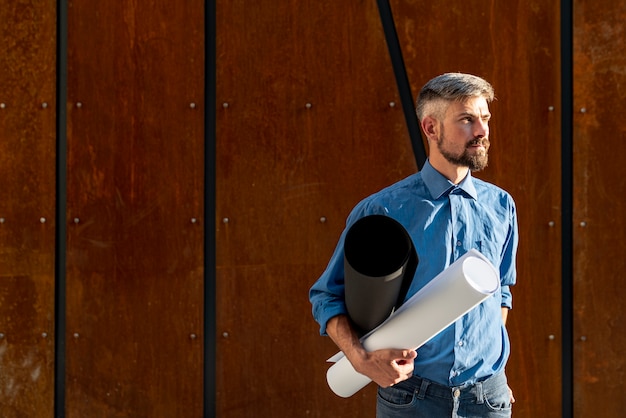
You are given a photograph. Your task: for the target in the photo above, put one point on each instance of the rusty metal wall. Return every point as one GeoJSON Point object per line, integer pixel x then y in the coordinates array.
{"type": "Point", "coordinates": [308, 121]}
{"type": "Point", "coordinates": [599, 208]}
{"type": "Point", "coordinates": [135, 209]}
{"type": "Point", "coordinates": [27, 207]}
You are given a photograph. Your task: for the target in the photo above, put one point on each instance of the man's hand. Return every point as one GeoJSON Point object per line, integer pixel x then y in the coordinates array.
{"type": "Point", "coordinates": [385, 367]}
{"type": "Point", "coordinates": [511, 395]}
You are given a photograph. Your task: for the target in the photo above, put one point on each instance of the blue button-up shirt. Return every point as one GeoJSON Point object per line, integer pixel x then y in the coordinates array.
{"type": "Point", "coordinates": [444, 221]}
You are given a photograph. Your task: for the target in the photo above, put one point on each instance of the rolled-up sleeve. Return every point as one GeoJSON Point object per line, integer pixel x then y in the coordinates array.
{"type": "Point", "coordinates": [327, 294]}
{"type": "Point", "coordinates": [507, 298]}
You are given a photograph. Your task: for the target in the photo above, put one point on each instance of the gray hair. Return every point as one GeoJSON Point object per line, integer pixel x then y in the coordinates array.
{"type": "Point", "coordinates": [437, 94]}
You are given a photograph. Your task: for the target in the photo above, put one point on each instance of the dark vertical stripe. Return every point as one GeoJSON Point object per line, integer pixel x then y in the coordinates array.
{"type": "Point", "coordinates": [210, 319]}
{"type": "Point", "coordinates": [61, 209]}
{"type": "Point", "coordinates": [402, 80]}
{"type": "Point", "coordinates": [567, 203]}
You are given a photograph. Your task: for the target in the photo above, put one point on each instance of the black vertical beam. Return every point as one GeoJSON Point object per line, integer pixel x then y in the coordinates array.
{"type": "Point", "coordinates": [567, 203]}
{"type": "Point", "coordinates": [210, 318]}
{"type": "Point", "coordinates": [402, 80]}
{"type": "Point", "coordinates": [60, 215]}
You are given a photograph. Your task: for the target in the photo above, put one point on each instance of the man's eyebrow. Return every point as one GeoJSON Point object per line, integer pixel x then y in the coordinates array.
{"type": "Point", "coordinates": [474, 115]}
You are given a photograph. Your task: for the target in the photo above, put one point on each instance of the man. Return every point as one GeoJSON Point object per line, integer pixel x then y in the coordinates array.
{"type": "Point", "coordinates": [447, 212]}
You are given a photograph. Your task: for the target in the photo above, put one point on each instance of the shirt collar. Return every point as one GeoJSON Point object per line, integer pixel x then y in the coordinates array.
{"type": "Point", "coordinates": [438, 185]}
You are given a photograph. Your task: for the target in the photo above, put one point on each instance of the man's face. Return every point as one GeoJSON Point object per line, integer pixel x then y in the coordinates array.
{"type": "Point", "coordinates": [464, 135]}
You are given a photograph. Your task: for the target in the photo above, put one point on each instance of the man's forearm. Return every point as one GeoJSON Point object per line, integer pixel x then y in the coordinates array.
{"type": "Point", "coordinates": [340, 330]}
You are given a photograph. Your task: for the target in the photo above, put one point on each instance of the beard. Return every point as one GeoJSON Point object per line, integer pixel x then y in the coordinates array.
{"type": "Point", "coordinates": [475, 162]}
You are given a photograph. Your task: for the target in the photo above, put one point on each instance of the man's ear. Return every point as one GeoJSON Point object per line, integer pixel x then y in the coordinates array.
{"type": "Point", "coordinates": [430, 126]}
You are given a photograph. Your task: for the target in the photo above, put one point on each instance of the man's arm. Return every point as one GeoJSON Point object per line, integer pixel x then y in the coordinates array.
{"type": "Point", "coordinates": [505, 314]}
{"type": "Point", "coordinates": [385, 367]}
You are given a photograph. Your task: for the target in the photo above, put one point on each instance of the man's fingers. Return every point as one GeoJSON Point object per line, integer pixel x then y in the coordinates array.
{"type": "Point", "coordinates": [389, 366]}
{"type": "Point", "coordinates": [404, 356]}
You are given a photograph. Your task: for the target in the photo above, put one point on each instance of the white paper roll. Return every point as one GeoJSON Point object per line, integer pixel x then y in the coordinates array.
{"type": "Point", "coordinates": [450, 295]}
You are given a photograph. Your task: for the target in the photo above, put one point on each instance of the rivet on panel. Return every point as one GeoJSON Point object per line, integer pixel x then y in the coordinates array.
{"type": "Point", "coordinates": [225, 335]}
{"type": "Point", "coordinates": [42, 220]}
{"type": "Point", "coordinates": [583, 110]}
{"type": "Point", "coordinates": [225, 220]}
{"type": "Point", "coordinates": [551, 337]}
{"type": "Point", "coordinates": [76, 335]}
{"type": "Point", "coordinates": [44, 335]}
{"type": "Point", "coordinates": [3, 105]}
{"type": "Point", "coordinates": [1, 335]}
{"type": "Point", "coordinates": [308, 105]}
{"type": "Point", "coordinates": [44, 105]}
{"type": "Point", "coordinates": [192, 105]}
{"type": "Point", "coordinates": [79, 105]}
{"type": "Point", "coordinates": [583, 338]}
{"type": "Point", "coordinates": [551, 224]}
{"type": "Point", "coordinates": [392, 104]}
{"type": "Point", "coordinates": [194, 220]}
{"type": "Point", "coordinates": [2, 220]}
{"type": "Point", "coordinates": [193, 336]}
{"type": "Point", "coordinates": [323, 219]}
{"type": "Point", "coordinates": [583, 224]}
{"type": "Point", "coordinates": [551, 108]}
{"type": "Point", "coordinates": [76, 220]}
{"type": "Point", "coordinates": [225, 105]}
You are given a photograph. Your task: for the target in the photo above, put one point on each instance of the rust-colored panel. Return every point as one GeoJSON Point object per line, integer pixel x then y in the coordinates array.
{"type": "Point", "coordinates": [599, 208]}
{"type": "Point", "coordinates": [27, 207]}
{"type": "Point", "coordinates": [514, 45]}
{"type": "Point", "coordinates": [308, 123]}
{"type": "Point", "coordinates": [135, 205]}
{"type": "Point", "coordinates": [280, 361]}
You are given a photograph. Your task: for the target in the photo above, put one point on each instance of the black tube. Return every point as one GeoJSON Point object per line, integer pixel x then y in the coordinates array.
{"type": "Point", "coordinates": [379, 264]}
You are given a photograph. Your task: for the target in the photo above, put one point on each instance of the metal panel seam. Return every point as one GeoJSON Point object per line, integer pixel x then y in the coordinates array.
{"type": "Point", "coordinates": [567, 199]}
{"type": "Point", "coordinates": [61, 209]}
{"type": "Point", "coordinates": [210, 315]}
{"type": "Point", "coordinates": [402, 80]}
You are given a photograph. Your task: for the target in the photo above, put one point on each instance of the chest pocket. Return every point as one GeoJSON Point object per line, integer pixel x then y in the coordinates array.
{"type": "Point", "coordinates": [489, 246]}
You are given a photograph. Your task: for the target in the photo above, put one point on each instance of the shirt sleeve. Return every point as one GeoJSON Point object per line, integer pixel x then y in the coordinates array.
{"type": "Point", "coordinates": [327, 294]}
{"type": "Point", "coordinates": [507, 299]}
{"type": "Point", "coordinates": [508, 270]}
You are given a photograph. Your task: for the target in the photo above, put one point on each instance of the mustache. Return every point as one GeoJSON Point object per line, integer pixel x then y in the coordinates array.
{"type": "Point", "coordinates": [479, 141]}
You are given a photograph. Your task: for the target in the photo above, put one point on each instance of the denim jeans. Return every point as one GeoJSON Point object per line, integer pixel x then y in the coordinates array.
{"type": "Point", "coordinates": [420, 398]}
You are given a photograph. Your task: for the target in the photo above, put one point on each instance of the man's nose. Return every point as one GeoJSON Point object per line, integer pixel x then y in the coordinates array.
{"type": "Point", "coordinates": [481, 129]}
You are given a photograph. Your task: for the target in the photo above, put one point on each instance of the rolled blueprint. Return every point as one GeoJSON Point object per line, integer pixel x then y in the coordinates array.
{"type": "Point", "coordinates": [379, 263]}
{"type": "Point", "coordinates": [450, 295]}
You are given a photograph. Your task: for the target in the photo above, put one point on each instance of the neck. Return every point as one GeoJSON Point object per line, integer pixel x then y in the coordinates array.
{"type": "Point", "coordinates": [452, 172]}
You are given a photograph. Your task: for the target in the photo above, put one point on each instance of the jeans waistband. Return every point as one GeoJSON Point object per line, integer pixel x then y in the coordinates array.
{"type": "Point", "coordinates": [423, 387]}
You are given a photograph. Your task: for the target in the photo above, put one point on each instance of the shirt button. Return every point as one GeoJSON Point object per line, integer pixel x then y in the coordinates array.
{"type": "Point", "coordinates": [460, 343]}
{"type": "Point", "coordinates": [457, 393]}
{"type": "Point", "coordinates": [458, 243]}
